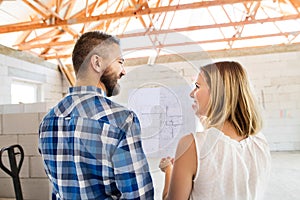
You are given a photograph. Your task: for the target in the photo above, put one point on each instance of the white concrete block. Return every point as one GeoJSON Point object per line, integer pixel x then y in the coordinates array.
{"type": "Point", "coordinates": [5, 80]}
{"type": "Point", "coordinates": [5, 99]}
{"type": "Point", "coordinates": [24, 173]}
{"type": "Point", "coordinates": [296, 145]}
{"type": "Point", "coordinates": [41, 116]}
{"type": "Point", "coordinates": [287, 121]}
{"type": "Point", "coordinates": [37, 167]}
{"type": "Point", "coordinates": [1, 121]}
{"type": "Point", "coordinates": [3, 71]}
{"type": "Point", "coordinates": [35, 107]}
{"type": "Point", "coordinates": [13, 62]}
{"type": "Point", "coordinates": [284, 146]}
{"type": "Point", "coordinates": [24, 123]}
{"type": "Point", "coordinates": [285, 80]}
{"type": "Point", "coordinates": [288, 104]}
{"type": "Point", "coordinates": [7, 140]}
{"type": "Point", "coordinates": [282, 134]}
{"type": "Point", "coordinates": [35, 189]}
{"type": "Point", "coordinates": [5, 90]}
{"type": "Point", "coordinates": [7, 188]}
{"type": "Point", "coordinates": [13, 108]}
{"type": "Point", "coordinates": [29, 144]}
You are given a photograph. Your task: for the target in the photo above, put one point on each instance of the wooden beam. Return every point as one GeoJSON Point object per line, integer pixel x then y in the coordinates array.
{"type": "Point", "coordinates": [66, 72]}
{"type": "Point", "coordinates": [70, 31]}
{"type": "Point", "coordinates": [37, 10]}
{"type": "Point", "coordinates": [22, 37]}
{"type": "Point", "coordinates": [47, 49]}
{"type": "Point", "coordinates": [51, 57]}
{"type": "Point", "coordinates": [69, 9]}
{"type": "Point", "coordinates": [194, 28]}
{"type": "Point", "coordinates": [175, 30]}
{"type": "Point", "coordinates": [295, 5]}
{"type": "Point", "coordinates": [213, 41]}
{"type": "Point", "coordinates": [58, 5]}
{"type": "Point", "coordinates": [223, 53]}
{"type": "Point", "coordinates": [83, 11]}
{"type": "Point", "coordinates": [184, 44]}
{"type": "Point", "coordinates": [124, 14]}
{"type": "Point", "coordinates": [47, 9]}
{"type": "Point", "coordinates": [45, 45]}
{"type": "Point", "coordinates": [44, 36]}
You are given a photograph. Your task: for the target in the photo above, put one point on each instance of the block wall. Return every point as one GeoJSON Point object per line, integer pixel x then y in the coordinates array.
{"type": "Point", "coordinates": [275, 77]}
{"type": "Point", "coordinates": [22, 128]}
{"type": "Point", "coordinates": [43, 73]}
{"type": "Point", "coordinates": [276, 82]}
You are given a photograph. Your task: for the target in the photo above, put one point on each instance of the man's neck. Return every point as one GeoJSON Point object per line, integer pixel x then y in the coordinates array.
{"type": "Point", "coordinates": [80, 82]}
{"type": "Point", "coordinates": [101, 86]}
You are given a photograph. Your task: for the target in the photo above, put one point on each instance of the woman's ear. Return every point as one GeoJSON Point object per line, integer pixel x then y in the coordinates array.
{"type": "Point", "coordinates": [97, 62]}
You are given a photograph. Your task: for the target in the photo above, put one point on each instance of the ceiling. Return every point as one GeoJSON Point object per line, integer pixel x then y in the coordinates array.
{"type": "Point", "coordinates": [49, 28]}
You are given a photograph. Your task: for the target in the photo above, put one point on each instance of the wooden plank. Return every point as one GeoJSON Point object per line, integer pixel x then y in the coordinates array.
{"type": "Point", "coordinates": [37, 10]}
{"type": "Point", "coordinates": [216, 54]}
{"type": "Point", "coordinates": [124, 14]}
{"type": "Point", "coordinates": [66, 72]}
{"type": "Point", "coordinates": [45, 45]}
{"type": "Point", "coordinates": [186, 43]}
{"type": "Point", "coordinates": [47, 9]}
{"type": "Point", "coordinates": [69, 9]}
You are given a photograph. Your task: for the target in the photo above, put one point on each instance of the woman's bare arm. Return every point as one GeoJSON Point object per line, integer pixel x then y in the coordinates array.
{"type": "Point", "coordinates": [179, 177]}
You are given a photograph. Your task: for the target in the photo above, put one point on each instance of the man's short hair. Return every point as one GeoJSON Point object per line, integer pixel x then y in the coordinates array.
{"type": "Point", "coordinates": [90, 43]}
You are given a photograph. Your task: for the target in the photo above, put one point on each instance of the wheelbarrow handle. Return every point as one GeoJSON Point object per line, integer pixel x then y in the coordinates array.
{"type": "Point", "coordinates": [15, 169]}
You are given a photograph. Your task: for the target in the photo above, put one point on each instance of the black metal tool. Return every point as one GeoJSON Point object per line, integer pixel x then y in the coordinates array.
{"type": "Point", "coordinates": [15, 168]}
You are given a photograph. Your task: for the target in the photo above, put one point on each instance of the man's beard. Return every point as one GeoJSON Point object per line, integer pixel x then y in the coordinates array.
{"type": "Point", "coordinates": [110, 81]}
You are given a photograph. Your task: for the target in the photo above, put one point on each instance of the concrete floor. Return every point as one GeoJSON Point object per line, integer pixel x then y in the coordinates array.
{"type": "Point", "coordinates": [284, 182]}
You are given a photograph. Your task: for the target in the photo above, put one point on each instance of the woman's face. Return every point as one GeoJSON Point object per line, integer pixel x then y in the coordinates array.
{"type": "Point", "coordinates": [201, 96]}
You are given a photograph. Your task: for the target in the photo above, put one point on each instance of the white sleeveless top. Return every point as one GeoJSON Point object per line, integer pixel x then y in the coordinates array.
{"type": "Point", "coordinates": [228, 169]}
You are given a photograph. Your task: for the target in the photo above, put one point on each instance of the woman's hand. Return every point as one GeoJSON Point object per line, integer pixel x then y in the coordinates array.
{"type": "Point", "coordinates": [166, 163]}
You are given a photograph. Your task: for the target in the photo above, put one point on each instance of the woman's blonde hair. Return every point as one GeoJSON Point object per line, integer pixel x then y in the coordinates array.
{"type": "Point", "coordinates": [231, 98]}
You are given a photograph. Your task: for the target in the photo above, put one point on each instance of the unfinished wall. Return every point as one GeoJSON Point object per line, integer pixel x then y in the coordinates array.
{"type": "Point", "coordinates": [20, 65]}
{"type": "Point", "coordinates": [22, 128]}
{"type": "Point", "coordinates": [276, 80]}
{"type": "Point", "coordinates": [19, 122]}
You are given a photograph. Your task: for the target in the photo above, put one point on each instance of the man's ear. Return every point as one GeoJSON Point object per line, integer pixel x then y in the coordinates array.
{"type": "Point", "coordinates": [97, 62]}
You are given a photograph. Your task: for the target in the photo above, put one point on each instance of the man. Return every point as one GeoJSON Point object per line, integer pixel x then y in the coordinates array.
{"type": "Point", "coordinates": [91, 146]}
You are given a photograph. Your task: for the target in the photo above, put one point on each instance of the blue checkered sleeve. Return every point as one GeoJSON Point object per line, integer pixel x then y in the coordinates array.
{"type": "Point", "coordinates": [130, 165]}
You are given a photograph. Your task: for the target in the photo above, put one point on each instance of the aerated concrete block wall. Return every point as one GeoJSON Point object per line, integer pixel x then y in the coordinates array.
{"type": "Point", "coordinates": [276, 80]}
{"type": "Point", "coordinates": [23, 66]}
{"type": "Point", "coordinates": [22, 128]}
{"type": "Point", "coordinates": [275, 77]}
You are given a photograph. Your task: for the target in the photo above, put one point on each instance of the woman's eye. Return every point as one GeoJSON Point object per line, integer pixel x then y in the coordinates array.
{"type": "Point", "coordinates": [121, 61]}
{"type": "Point", "coordinates": [197, 86]}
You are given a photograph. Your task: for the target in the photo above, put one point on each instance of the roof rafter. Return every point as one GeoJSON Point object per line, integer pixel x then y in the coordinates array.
{"type": "Point", "coordinates": [165, 31]}
{"type": "Point", "coordinates": [48, 57]}
{"type": "Point", "coordinates": [80, 18]}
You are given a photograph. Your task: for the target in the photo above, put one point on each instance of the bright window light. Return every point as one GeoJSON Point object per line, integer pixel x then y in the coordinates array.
{"type": "Point", "coordinates": [24, 92]}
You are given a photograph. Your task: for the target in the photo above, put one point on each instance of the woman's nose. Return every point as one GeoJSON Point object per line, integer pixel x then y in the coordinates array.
{"type": "Point", "coordinates": [192, 94]}
{"type": "Point", "coordinates": [123, 71]}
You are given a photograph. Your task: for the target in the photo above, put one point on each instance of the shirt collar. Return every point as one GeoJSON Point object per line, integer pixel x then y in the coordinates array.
{"type": "Point", "coordinates": [86, 89]}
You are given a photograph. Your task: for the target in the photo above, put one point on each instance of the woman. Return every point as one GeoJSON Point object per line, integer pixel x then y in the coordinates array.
{"type": "Point", "coordinates": [230, 159]}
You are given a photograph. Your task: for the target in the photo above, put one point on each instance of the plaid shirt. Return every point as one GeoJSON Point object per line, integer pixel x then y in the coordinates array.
{"type": "Point", "coordinates": [92, 149]}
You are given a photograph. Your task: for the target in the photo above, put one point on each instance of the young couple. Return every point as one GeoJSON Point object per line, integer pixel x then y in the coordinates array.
{"type": "Point", "coordinates": [91, 146]}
